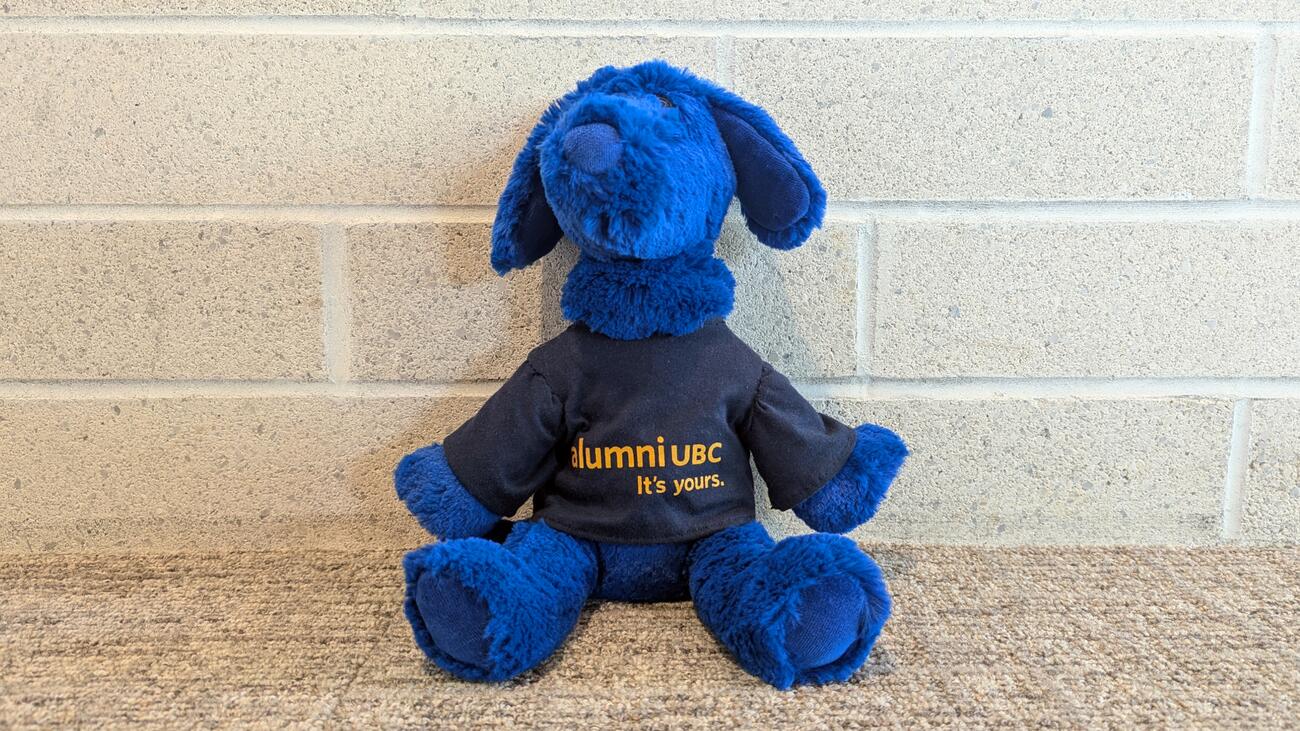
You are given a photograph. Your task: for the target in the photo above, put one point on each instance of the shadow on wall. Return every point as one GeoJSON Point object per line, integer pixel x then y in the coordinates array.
{"type": "Point", "coordinates": [532, 296]}
{"type": "Point", "coordinates": [401, 425]}
{"type": "Point", "coordinates": [531, 303]}
{"type": "Point", "coordinates": [766, 315]}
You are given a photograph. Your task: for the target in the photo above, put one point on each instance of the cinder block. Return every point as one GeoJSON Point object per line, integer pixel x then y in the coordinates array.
{"type": "Point", "coordinates": [1271, 499]}
{"type": "Point", "coordinates": [140, 300]}
{"type": "Point", "coordinates": [426, 304]}
{"type": "Point", "coordinates": [888, 10]}
{"type": "Point", "coordinates": [1282, 174]}
{"type": "Point", "coordinates": [93, 8]}
{"type": "Point", "coordinates": [686, 9]}
{"type": "Point", "coordinates": [1052, 471]}
{"type": "Point", "coordinates": [999, 298]}
{"type": "Point", "coordinates": [189, 474]}
{"type": "Point", "coordinates": [194, 118]}
{"type": "Point", "coordinates": [199, 474]}
{"type": "Point", "coordinates": [797, 308]}
{"type": "Point", "coordinates": [998, 118]}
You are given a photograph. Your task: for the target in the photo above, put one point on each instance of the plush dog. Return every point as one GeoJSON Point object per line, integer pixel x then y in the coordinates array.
{"type": "Point", "coordinates": [633, 430]}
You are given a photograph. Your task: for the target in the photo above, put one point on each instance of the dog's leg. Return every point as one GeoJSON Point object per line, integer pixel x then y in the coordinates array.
{"type": "Point", "coordinates": [490, 611]}
{"type": "Point", "coordinates": [805, 610]}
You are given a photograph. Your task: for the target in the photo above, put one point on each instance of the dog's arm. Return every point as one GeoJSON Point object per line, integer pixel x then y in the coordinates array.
{"type": "Point", "coordinates": [853, 495]}
{"type": "Point", "coordinates": [488, 467]}
{"type": "Point", "coordinates": [833, 476]}
{"type": "Point", "coordinates": [436, 498]}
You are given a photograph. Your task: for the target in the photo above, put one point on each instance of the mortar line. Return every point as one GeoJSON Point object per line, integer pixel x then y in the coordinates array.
{"type": "Point", "coordinates": [306, 213]}
{"type": "Point", "coordinates": [723, 61]}
{"type": "Point", "coordinates": [1238, 461]}
{"type": "Point", "coordinates": [409, 25]}
{"type": "Point", "coordinates": [1260, 128]}
{"type": "Point", "coordinates": [336, 309]}
{"type": "Point", "coordinates": [128, 390]}
{"type": "Point", "coordinates": [1066, 210]}
{"type": "Point", "coordinates": [864, 341]}
{"type": "Point", "coordinates": [1053, 388]}
{"type": "Point", "coordinates": [959, 389]}
{"type": "Point", "coordinates": [843, 211]}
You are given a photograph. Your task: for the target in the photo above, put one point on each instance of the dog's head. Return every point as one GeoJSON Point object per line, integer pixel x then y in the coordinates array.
{"type": "Point", "coordinates": [642, 163]}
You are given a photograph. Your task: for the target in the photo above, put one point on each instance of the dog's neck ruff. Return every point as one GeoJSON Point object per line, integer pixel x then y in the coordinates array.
{"type": "Point", "coordinates": [634, 299]}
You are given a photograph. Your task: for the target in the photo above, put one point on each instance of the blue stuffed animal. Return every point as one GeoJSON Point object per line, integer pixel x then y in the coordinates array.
{"type": "Point", "coordinates": [633, 430]}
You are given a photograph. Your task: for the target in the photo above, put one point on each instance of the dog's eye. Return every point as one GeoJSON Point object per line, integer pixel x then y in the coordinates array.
{"type": "Point", "coordinates": [665, 101]}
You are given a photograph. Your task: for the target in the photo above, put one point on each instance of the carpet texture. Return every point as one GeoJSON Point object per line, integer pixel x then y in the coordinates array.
{"type": "Point", "coordinates": [1062, 638]}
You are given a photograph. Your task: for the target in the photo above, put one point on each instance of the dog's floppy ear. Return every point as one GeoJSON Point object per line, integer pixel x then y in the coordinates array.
{"type": "Point", "coordinates": [525, 228]}
{"type": "Point", "coordinates": [781, 197]}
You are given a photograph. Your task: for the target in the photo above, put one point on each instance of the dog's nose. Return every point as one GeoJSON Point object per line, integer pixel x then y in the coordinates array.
{"type": "Point", "coordinates": [592, 148]}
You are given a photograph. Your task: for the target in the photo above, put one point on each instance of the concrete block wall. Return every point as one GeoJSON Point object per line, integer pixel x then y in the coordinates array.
{"type": "Point", "coordinates": [243, 255]}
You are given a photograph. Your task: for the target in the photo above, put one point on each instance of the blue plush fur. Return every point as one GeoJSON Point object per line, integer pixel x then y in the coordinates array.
{"type": "Point", "coordinates": [523, 598]}
{"type": "Point", "coordinates": [852, 497]}
{"type": "Point", "coordinates": [642, 572]}
{"type": "Point", "coordinates": [636, 299]}
{"type": "Point", "coordinates": [436, 498]}
{"type": "Point", "coordinates": [637, 166]}
{"type": "Point", "coordinates": [747, 592]}
{"type": "Point", "coordinates": [685, 148]}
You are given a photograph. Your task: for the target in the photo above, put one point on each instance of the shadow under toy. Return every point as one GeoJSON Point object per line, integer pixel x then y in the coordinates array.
{"type": "Point", "coordinates": [633, 430]}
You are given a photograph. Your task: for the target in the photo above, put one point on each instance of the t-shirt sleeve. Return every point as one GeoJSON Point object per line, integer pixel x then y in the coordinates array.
{"type": "Point", "coordinates": [796, 449]}
{"type": "Point", "coordinates": [506, 452]}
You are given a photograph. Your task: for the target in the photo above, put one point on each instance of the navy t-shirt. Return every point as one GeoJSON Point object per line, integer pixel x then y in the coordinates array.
{"type": "Point", "coordinates": [645, 441]}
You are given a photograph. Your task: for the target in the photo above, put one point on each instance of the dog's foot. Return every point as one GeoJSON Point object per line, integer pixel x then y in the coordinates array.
{"type": "Point", "coordinates": [830, 617]}
{"type": "Point", "coordinates": [806, 610]}
{"type": "Point", "coordinates": [456, 617]}
{"type": "Point", "coordinates": [490, 611]}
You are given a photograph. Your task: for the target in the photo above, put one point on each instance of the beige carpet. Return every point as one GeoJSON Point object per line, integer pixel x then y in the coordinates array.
{"type": "Point", "coordinates": [1009, 637]}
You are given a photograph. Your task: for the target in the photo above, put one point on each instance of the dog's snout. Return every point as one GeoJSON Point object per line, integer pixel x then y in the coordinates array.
{"type": "Point", "coordinates": [592, 148]}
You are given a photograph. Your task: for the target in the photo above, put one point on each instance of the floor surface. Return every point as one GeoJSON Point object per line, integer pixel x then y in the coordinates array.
{"type": "Point", "coordinates": [1055, 637]}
